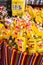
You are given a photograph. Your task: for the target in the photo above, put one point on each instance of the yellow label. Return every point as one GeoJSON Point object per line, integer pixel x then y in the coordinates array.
{"type": "Point", "coordinates": [40, 46]}
{"type": "Point", "coordinates": [32, 46]}
{"type": "Point", "coordinates": [18, 7]}
{"type": "Point", "coordinates": [21, 41]}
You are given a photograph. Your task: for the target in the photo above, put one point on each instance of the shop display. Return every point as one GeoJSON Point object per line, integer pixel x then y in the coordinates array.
{"type": "Point", "coordinates": [21, 32]}
{"type": "Point", "coordinates": [25, 32]}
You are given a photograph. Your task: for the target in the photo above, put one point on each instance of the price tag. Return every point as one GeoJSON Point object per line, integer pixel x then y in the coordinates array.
{"type": "Point", "coordinates": [18, 7]}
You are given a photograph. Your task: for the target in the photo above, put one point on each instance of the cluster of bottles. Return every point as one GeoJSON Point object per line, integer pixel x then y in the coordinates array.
{"type": "Point", "coordinates": [24, 33]}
